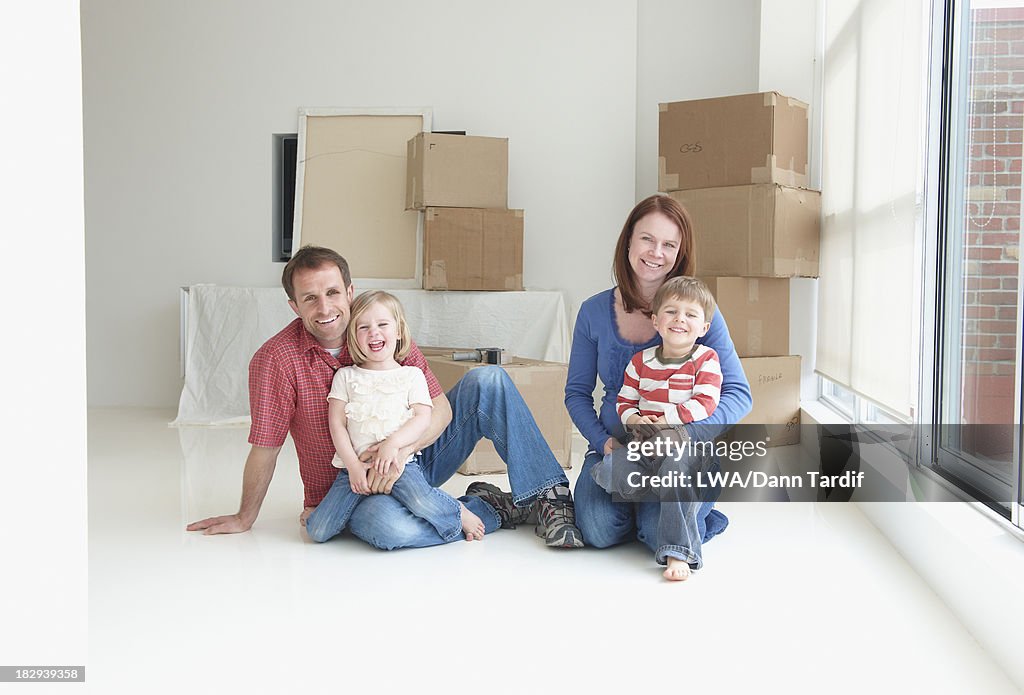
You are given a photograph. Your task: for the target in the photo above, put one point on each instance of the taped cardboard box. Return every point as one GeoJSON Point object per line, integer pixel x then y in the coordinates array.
{"type": "Point", "coordinates": [775, 388]}
{"type": "Point", "coordinates": [762, 230]}
{"type": "Point", "coordinates": [757, 312]}
{"type": "Point", "coordinates": [472, 249]}
{"type": "Point", "coordinates": [542, 385]}
{"type": "Point", "coordinates": [732, 141]}
{"type": "Point", "coordinates": [461, 171]}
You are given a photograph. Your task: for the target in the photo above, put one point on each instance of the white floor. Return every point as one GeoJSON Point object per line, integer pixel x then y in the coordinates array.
{"type": "Point", "coordinates": [796, 598]}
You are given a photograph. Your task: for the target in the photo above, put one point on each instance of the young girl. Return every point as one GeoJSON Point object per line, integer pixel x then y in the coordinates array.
{"type": "Point", "coordinates": [380, 402]}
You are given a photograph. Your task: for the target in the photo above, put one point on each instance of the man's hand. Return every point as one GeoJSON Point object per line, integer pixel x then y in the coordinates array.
{"type": "Point", "coordinates": [230, 523]}
{"type": "Point", "coordinates": [611, 445]}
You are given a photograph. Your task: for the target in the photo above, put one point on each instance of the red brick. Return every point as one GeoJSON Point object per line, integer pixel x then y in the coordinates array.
{"type": "Point", "coordinates": [980, 312]}
{"type": "Point", "coordinates": [1011, 223]}
{"type": "Point", "coordinates": [996, 16]}
{"type": "Point", "coordinates": [989, 105]}
{"type": "Point", "coordinates": [998, 326]}
{"type": "Point", "coordinates": [990, 48]}
{"type": "Point", "coordinates": [979, 340]}
{"type": "Point", "coordinates": [998, 239]}
{"type": "Point", "coordinates": [1003, 150]}
{"type": "Point", "coordinates": [1018, 107]}
{"type": "Point", "coordinates": [997, 136]}
{"type": "Point", "coordinates": [1007, 33]}
{"type": "Point", "coordinates": [977, 221]}
{"type": "Point", "coordinates": [1014, 135]}
{"type": "Point", "coordinates": [984, 253]}
{"type": "Point", "coordinates": [1005, 209]}
{"type": "Point", "coordinates": [1007, 121]}
{"type": "Point", "coordinates": [996, 355]}
{"type": "Point", "coordinates": [990, 165]}
{"type": "Point", "coordinates": [1012, 194]}
{"type": "Point", "coordinates": [1015, 163]}
{"type": "Point", "coordinates": [999, 270]}
{"type": "Point", "coordinates": [1009, 283]}
{"type": "Point", "coordinates": [1015, 47]}
{"type": "Point", "coordinates": [1005, 313]}
{"type": "Point", "coordinates": [1006, 341]}
{"type": "Point", "coordinates": [974, 282]}
{"type": "Point", "coordinates": [1008, 63]}
{"type": "Point", "coordinates": [1006, 180]}
{"type": "Point", "coordinates": [997, 298]}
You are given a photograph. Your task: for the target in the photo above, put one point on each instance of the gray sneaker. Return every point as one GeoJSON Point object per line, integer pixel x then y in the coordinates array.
{"type": "Point", "coordinates": [511, 515]}
{"type": "Point", "coordinates": [556, 519]}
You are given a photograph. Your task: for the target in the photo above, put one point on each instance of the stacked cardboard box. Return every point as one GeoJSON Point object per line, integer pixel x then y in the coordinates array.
{"type": "Point", "coordinates": [739, 166]}
{"type": "Point", "coordinates": [542, 385]}
{"type": "Point", "coordinates": [471, 240]}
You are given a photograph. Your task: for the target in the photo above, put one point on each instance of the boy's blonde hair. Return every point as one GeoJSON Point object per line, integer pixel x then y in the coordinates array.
{"type": "Point", "coordinates": [359, 307]}
{"type": "Point", "coordinates": [688, 289]}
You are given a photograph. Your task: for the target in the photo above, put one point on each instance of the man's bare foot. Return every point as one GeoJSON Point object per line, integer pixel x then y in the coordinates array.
{"type": "Point", "coordinates": [677, 570]}
{"type": "Point", "coordinates": [472, 526]}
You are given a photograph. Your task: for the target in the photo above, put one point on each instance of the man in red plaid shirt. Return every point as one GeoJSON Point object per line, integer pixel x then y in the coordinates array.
{"type": "Point", "coordinates": [290, 377]}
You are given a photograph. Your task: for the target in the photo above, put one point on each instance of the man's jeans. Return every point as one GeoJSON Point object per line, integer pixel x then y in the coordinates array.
{"type": "Point", "coordinates": [485, 404]}
{"type": "Point", "coordinates": [605, 522]}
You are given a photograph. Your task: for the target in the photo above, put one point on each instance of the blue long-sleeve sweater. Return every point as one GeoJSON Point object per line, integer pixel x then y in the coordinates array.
{"type": "Point", "coordinates": [599, 350]}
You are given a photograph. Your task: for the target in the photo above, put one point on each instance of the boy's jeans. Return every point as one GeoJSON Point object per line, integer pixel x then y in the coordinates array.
{"type": "Point", "coordinates": [670, 528]}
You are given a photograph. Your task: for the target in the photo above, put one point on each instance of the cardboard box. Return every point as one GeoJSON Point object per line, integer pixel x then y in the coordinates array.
{"type": "Point", "coordinates": [756, 231]}
{"type": "Point", "coordinates": [472, 249]}
{"type": "Point", "coordinates": [757, 312]}
{"type": "Point", "coordinates": [460, 171]}
{"type": "Point", "coordinates": [775, 388]}
{"type": "Point", "coordinates": [732, 141]}
{"type": "Point", "coordinates": [542, 385]}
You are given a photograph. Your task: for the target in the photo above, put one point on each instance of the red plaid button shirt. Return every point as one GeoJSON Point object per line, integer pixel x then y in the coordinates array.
{"type": "Point", "coordinates": [289, 379]}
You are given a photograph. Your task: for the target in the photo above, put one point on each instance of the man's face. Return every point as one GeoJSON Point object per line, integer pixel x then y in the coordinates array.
{"type": "Point", "coordinates": [322, 302]}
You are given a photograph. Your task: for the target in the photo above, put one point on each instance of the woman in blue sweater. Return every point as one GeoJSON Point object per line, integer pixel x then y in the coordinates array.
{"type": "Point", "coordinates": [656, 243]}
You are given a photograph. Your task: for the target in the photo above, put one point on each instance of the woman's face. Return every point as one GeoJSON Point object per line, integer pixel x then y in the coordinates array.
{"type": "Point", "coordinates": [653, 248]}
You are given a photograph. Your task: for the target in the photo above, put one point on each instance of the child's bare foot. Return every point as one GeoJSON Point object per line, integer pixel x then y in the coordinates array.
{"type": "Point", "coordinates": [472, 526]}
{"type": "Point", "coordinates": [677, 570]}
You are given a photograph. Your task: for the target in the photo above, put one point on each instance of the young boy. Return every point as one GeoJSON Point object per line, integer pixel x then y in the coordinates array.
{"type": "Point", "coordinates": [664, 387]}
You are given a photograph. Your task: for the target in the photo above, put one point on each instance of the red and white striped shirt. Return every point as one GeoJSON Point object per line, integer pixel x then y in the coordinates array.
{"type": "Point", "coordinates": [681, 390]}
{"type": "Point", "coordinates": [289, 379]}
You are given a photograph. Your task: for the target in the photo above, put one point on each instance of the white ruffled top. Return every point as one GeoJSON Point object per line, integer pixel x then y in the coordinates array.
{"type": "Point", "coordinates": [378, 402]}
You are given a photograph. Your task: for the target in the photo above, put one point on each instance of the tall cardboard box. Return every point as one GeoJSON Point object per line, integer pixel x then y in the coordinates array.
{"type": "Point", "coordinates": [762, 230]}
{"type": "Point", "coordinates": [472, 249]}
{"type": "Point", "coordinates": [542, 385]}
{"type": "Point", "coordinates": [757, 311]}
{"type": "Point", "coordinates": [462, 171]}
{"type": "Point", "coordinates": [775, 388]}
{"type": "Point", "coordinates": [732, 141]}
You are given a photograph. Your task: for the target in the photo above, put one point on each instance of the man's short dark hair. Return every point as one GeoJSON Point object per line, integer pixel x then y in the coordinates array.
{"type": "Point", "coordinates": [310, 258]}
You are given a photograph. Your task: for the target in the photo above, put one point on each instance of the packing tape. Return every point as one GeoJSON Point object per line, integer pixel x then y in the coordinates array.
{"type": "Point", "coordinates": [438, 275]}
{"type": "Point", "coordinates": [666, 181]}
{"type": "Point", "coordinates": [514, 282]}
{"type": "Point", "coordinates": [662, 108]}
{"type": "Point", "coordinates": [771, 98]}
{"type": "Point", "coordinates": [753, 291]}
{"type": "Point", "coordinates": [755, 336]}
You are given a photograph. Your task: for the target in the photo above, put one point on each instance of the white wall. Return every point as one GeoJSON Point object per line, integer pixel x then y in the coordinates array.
{"type": "Point", "coordinates": [688, 50]}
{"type": "Point", "coordinates": [181, 99]}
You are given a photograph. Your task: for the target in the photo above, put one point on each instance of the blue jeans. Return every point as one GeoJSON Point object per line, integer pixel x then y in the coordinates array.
{"type": "Point", "coordinates": [434, 506]}
{"type": "Point", "coordinates": [485, 404]}
{"type": "Point", "coordinates": [605, 522]}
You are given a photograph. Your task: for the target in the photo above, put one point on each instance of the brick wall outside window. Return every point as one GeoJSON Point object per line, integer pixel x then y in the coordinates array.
{"type": "Point", "coordinates": [992, 249]}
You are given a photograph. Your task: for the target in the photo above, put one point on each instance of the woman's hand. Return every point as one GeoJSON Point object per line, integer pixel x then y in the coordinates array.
{"type": "Point", "coordinates": [611, 445]}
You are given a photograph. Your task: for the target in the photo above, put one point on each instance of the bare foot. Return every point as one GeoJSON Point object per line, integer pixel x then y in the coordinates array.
{"type": "Point", "coordinates": [677, 570]}
{"type": "Point", "coordinates": [472, 526]}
